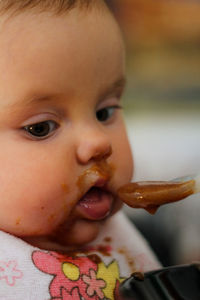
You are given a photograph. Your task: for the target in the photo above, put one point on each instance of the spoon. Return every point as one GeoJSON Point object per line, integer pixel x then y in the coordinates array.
{"type": "Point", "coordinates": [150, 195]}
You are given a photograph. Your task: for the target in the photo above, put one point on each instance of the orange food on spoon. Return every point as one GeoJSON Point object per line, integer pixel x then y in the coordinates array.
{"type": "Point", "coordinates": [150, 195]}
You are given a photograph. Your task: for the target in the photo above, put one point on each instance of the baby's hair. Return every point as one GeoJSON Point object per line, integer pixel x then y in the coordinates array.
{"type": "Point", "coordinates": [57, 6]}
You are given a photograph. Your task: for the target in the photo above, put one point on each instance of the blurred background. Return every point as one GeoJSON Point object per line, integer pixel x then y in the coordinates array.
{"type": "Point", "coordinates": [162, 111]}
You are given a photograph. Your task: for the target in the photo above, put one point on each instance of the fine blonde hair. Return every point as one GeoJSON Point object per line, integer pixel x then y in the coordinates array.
{"type": "Point", "coordinates": [56, 6]}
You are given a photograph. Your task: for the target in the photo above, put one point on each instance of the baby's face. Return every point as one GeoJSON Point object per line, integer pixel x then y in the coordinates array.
{"type": "Point", "coordinates": [64, 150]}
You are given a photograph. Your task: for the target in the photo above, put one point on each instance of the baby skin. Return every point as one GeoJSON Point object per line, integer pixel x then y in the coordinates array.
{"type": "Point", "coordinates": [64, 155]}
{"type": "Point", "coordinates": [64, 149]}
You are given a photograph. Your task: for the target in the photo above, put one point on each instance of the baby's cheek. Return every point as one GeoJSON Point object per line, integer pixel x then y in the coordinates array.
{"type": "Point", "coordinates": [36, 211]}
{"type": "Point", "coordinates": [34, 196]}
{"type": "Point", "coordinates": [49, 212]}
{"type": "Point", "coordinates": [124, 162]}
{"type": "Point", "coordinates": [123, 151]}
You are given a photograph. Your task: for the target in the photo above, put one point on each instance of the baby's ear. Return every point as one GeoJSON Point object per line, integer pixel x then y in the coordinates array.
{"type": "Point", "coordinates": [46, 262]}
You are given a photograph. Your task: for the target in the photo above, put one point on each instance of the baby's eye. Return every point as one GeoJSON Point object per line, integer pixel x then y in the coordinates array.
{"type": "Point", "coordinates": [42, 129]}
{"type": "Point", "coordinates": [106, 113]}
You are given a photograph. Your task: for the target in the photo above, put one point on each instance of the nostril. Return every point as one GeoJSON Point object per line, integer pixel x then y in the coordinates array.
{"type": "Point", "coordinates": [108, 153]}
{"type": "Point", "coordinates": [104, 154]}
{"type": "Point", "coordinates": [94, 146]}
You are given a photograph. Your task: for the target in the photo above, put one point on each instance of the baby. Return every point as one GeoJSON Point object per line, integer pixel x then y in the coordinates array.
{"type": "Point", "coordinates": [64, 153]}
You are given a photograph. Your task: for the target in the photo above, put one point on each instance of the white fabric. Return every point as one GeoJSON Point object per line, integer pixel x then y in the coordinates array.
{"type": "Point", "coordinates": [30, 273]}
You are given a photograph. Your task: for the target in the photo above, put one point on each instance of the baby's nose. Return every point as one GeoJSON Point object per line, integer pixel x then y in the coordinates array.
{"type": "Point", "coordinates": [93, 145]}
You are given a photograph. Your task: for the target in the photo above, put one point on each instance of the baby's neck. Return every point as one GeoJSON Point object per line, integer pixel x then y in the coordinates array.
{"type": "Point", "coordinates": [47, 244]}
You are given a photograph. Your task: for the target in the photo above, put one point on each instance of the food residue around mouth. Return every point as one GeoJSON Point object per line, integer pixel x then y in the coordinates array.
{"type": "Point", "coordinates": [65, 187]}
{"type": "Point", "coordinates": [98, 174]}
{"type": "Point", "coordinates": [51, 217]}
{"type": "Point", "coordinates": [18, 221]}
{"type": "Point", "coordinates": [95, 201]}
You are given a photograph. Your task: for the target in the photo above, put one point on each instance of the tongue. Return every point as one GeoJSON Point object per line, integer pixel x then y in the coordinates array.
{"type": "Point", "coordinates": [95, 204]}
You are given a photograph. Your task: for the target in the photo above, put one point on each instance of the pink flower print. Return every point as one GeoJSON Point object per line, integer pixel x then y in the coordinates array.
{"type": "Point", "coordinates": [9, 272]}
{"type": "Point", "coordinates": [67, 271]}
{"type": "Point", "coordinates": [94, 285]}
{"type": "Point", "coordinates": [67, 296]}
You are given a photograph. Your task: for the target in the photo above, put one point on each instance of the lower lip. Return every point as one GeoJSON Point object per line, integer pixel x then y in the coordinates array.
{"type": "Point", "coordinates": [96, 204]}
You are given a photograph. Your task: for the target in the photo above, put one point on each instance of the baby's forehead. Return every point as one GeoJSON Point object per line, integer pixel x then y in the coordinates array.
{"type": "Point", "coordinates": [40, 51]}
{"type": "Point", "coordinates": [12, 12]}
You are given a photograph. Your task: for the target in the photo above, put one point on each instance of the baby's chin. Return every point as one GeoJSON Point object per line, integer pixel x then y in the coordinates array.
{"type": "Point", "coordinates": [81, 233]}
{"type": "Point", "coordinates": [77, 234]}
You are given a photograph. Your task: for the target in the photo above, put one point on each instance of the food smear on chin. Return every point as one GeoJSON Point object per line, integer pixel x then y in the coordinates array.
{"type": "Point", "coordinates": [150, 195]}
{"type": "Point", "coordinates": [18, 221]}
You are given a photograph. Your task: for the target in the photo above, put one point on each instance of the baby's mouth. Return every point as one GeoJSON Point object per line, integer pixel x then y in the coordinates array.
{"type": "Point", "coordinates": [96, 204]}
{"type": "Point", "coordinates": [96, 201]}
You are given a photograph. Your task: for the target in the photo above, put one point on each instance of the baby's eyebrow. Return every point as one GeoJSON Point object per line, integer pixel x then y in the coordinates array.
{"type": "Point", "coordinates": [29, 101]}
{"type": "Point", "coordinates": [121, 82]}
{"type": "Point", "coordinates": [43, 99]}
{"type": "Point", "coordinates": [117, 85]}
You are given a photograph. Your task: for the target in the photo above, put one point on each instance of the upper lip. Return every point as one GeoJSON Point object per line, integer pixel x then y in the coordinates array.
{"type": "Point", "coordinates": [99, 183]}
{"type": "Point", "coordinates": [96, 176]}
